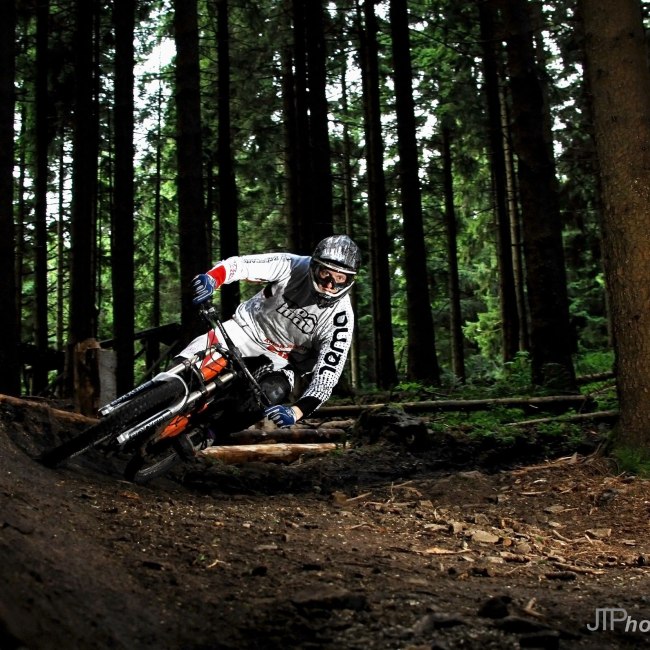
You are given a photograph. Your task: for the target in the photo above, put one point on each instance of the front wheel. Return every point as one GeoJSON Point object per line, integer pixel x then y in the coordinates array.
{"type": "Point", "coordinates": [156, 458]}
{"type": "Point", "coordinates": [108, 428]}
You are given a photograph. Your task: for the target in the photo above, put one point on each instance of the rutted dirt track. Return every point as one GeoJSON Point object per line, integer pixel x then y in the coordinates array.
{"type": "Point", "coordinates": [375, 547]}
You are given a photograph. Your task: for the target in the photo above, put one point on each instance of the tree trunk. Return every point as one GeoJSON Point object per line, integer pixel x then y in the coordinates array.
{"type": "Point", "coordinates": [9, 362]}
{"type": "Point", "coordinates": [455, 317]}
{"type": "Point", "coordinates": [319, 145]}
{"type": "Point", "coordinates": [122, 236]}
{"type": "Point", "coordinates": [507, 295]}
{"type": "Point", "coordinates": [228, 236]}
{"type": "Point", "coordinates": [552, 340]}
{"type": "Point", "coordinates": [301, 225]}
{"type": "Point", "coordinates": [21, 218]}
{"type": "Point", "coordinates": [153, 348]}
{"type": "Point", "coordinates": [348, 210]}
{"type": "Point", "coordinates": [307, 115]}
{"type": "Point", "coordinates": [61, 261]}
{"type": "Point", "coordinates": [385, 370]}
{"type": "Point", "coordinates": [514, 219]}
{"type": "Point", "coordinates": [422, 362]}
{"type": "Point", "coordinates": [292, 200]}
{"type": "Point", "coordinates": [41, 146]}
{"type": "Point", "coordinates": [83, 313]}
{"type": "Point", "coordinates": [193, 231]}
{"type": "Point", "coordinates": [617, 71]}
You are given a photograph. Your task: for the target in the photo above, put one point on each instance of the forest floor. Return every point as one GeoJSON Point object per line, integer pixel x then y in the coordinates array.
{"type": "Point", "coordinates": [374, 547]}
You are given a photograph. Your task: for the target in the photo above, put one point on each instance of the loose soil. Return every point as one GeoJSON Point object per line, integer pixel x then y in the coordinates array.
{"type": "Point", "coordinates": [375, 547]}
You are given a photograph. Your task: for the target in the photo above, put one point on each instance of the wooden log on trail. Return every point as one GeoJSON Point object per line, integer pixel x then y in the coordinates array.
{"type": "Point", "coordinates": [596, 416]}
{"type": "Point", "coordinates": [267, 453]}
{"type": "Point", "coordinates": [35, 404]}
{"type": "Point", "coordinates": [337, 424]}
{"type": "Point", "coordinates": [290, 434]}
{"type": "Point", "coordinates": [545, 403]}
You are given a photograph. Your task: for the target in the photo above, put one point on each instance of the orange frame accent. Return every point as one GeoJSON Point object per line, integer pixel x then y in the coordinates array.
{"type": "Point", "coordinates": [210, 368]}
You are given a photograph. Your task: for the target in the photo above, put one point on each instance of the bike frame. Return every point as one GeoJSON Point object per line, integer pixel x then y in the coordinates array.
{"type": "Point", "coordinates": [214, 368]}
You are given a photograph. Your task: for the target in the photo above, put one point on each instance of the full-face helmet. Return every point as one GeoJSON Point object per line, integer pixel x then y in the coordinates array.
{"type": "Point", "coordinates": [334, 266]}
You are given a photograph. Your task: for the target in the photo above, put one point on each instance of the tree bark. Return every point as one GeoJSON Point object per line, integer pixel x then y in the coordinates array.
{"type": "Point", "coordinates": [302, 237]}
{"type": "Point", "coordinates": [228, 232]}
{"type": "Point", "coordinates": [348, 210]}
{"type": "Point", "coordinates": [153, 348]}
{"type": "Point", "coordinates": [277, 453]}
{"type": "Point", "coordinates": [41, 147]}
{"type": "Point", "coordinates": [384, 355]}
{"type": "Point", "coordinates": [291, 434]}
{"type": "Point", "coordinates": [83, 311]}
{"type": "Point", "coordinates": [556, 402]}
{"type": "Point", "coordinates": [455, 317]}
{"type": "Point", "coordinates": [9, 338]}
{"type": "Point", "coordinates": [551, 337]}
{"type": "Point", "coordinates": [193, 231]}
{"type": "Point", "coordinates": [292, 207]}
{"type": "Point", "coordinates": [122, 235]}
{"type": "Point", "coordinates": [311, 173]}
{"type": "Point", "coordinates": [507, 294]}
{"type": "Point", "coordinates": [61, 416]}
{"type": "Point", "coordinates": [319, 144]}
{"type": "Point", "coordinates": [617, 70]}
{"type": "Point", "coordinates": [422, 361]}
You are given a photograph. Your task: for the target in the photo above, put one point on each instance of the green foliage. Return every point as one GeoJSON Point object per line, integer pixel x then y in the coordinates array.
{"type": "Point", "coordinates": [632, 460]}
{"type": "Point", "coordinates": [505, 428]}
{"type": "Point", "coordinates": [416, 390]}
{"type": "Point", "coordinates": [448, 84]}
{"type": "Point", "coordinates": [595, 361]}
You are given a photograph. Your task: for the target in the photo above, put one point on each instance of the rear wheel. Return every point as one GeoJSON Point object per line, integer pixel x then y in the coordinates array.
{"type": "Point", "coordinates": [123, 418]}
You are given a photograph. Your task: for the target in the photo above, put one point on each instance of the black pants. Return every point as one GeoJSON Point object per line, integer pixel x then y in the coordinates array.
{"type": "Point", "coordinates": [241, 408]}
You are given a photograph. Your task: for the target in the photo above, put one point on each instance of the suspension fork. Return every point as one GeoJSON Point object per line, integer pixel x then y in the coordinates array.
{"type": "Point", "coordinates": [212, 368]}
{"type": "Point", "coordinates": [179, 420]}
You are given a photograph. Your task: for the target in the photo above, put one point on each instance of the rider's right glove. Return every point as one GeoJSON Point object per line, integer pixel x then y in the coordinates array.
{"type": "Point", "coordinates": [203, 286]}
{"type": "Point", "coordinates": [282, 416]}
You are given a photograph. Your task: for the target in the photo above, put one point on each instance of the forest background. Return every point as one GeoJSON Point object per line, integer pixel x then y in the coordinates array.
{"type": "Point", "coordinates": [457, 143]}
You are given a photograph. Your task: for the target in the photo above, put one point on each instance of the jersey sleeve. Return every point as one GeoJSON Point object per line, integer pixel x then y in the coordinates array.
{"type": "Point", "coordinates": [332, 355]}
{"type": "Point", "coordinates": [269, 267]}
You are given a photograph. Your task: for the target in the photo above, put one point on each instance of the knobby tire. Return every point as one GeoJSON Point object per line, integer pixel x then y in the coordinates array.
{"type": "Point", "coordinates": [152, 462]}
{"type": "Point", "coordinates": [123, 418]}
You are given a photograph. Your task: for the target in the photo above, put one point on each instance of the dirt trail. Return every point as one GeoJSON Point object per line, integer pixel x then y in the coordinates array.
{"type": "Point", "coordinates": [370, 548]}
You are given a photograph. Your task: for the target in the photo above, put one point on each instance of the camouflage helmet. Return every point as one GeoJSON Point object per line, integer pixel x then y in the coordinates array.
{"type": "Point", "coordinates": [337, 254]}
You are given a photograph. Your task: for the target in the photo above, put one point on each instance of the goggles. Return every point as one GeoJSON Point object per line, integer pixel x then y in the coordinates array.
{"type": "Point", "coordinates": [331, 279]}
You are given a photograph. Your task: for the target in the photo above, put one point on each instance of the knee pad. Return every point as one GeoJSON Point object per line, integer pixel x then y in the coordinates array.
{"type": "Point", "coordinates": [276, 386]}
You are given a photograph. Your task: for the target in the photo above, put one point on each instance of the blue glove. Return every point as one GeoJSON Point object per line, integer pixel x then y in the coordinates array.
{"type": "Point", "coordinates": [282, 416]}
{"type": "Point", "coordinates": [203, 286]}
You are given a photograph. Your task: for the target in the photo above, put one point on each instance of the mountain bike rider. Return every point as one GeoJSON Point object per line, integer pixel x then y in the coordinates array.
{"type": "Point", "coordinates": [301, 321]}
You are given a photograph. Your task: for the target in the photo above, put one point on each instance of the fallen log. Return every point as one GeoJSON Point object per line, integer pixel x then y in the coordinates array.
{"type": "Point", "coordinates": [336, 424]}
{"type": "Point", "coordinates": [267, 453]}
{"type": "Point", "coordinates": [597, 377]}
{"type": "Point", "coordinates": [36, 404]}
{"type": "Point", "coordinates": [551, 402]}
{"type": "Point", "coordinates": [292, 434]}
{"type": "Point", "coordinates": [596, 416]}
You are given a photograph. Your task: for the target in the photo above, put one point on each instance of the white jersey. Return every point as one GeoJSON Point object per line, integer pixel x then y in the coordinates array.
{"type": "Point", "coordinates": [287, 319]}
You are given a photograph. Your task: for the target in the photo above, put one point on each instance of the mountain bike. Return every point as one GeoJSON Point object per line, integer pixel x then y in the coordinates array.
{"type": "Point", "coordinates": [173, 416]}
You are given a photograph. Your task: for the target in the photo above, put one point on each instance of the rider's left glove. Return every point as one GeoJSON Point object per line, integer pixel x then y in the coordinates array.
{"type": "Point", "coordinates": [203, 287]}
{"type": "Point", "coordinates": [282, 416]}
